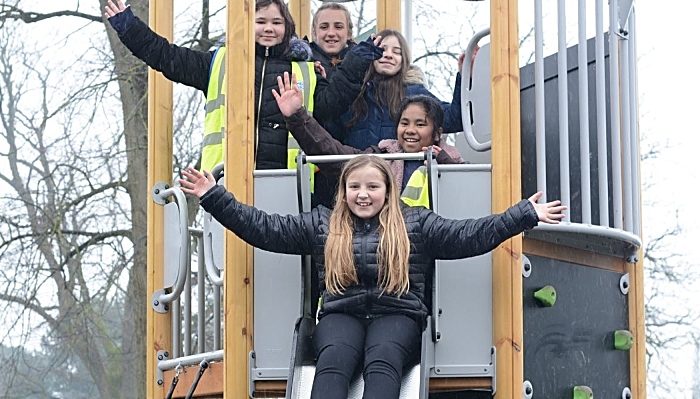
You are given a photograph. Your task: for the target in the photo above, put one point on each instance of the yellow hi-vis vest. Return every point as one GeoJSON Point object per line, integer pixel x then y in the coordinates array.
{"type": "Point", "coordinates": [213, 141]}
{"type": "Point", "coordinates": [416, 191]}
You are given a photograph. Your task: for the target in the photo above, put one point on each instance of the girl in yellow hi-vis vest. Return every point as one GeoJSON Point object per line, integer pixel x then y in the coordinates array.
{"type": "Point", "coordinates": [419, 127]}
{"type": "Point", "coordinates": [276, 49]}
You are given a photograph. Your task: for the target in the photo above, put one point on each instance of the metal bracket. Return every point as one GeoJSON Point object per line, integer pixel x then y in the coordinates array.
{"type": "Point", "coordinates": [155, 193]}
{"type": "Point", "coordinates": [158, 305]}
{"type": "Point", "coordinates": [625, 283]}
{"type": "Point", "coordinates": [527, 390]}
{"type": "Point", "coordinates": [493, 377]}
{"type": "Point", "coordinates": [626, 393]}
{"type": "Point", "coordinates": [251, 369]}
{"type": "Point", "coordinates": [161, 355]}
{"type": "Point", "coordinates": [527, 267]}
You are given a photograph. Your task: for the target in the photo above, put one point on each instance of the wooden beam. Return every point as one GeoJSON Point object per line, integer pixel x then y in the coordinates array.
{"type": "Point", "coordinates": [160, 166]}
{"type": "Point", "coordinates": [301, 12]}
{"type": "Point", "coordinates": [389, 15]}
{"type": "Point", "coordinates": [507, 258]}
{"type": "Point", "coordinates": [238, 158]}
{"type": "Point", "coordinates": [638, 372]}
{"type": "Point", "coordinates": [573, 255]}
{"type": "Point", "coordinates": [211, 383]}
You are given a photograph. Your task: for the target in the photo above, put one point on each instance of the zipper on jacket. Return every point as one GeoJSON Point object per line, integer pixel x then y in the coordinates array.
{"type": "Point", "coordinates": [368, 292]}
{"type": "Point", "coordinates": [260, 96]}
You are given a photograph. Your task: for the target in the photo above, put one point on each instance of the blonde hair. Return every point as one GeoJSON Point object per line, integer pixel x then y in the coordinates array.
{"type": "Point", "coordinates": [333, 6]}
{"type": "Point", "coordinates": [394, 246]}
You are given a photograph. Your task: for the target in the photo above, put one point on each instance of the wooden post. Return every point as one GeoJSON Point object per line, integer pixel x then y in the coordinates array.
{"type": "Point", "coordinates": [238, 158]}
{"type": "Point", "coordinates": [301, 12]}
{"type": "Point", "coordinates": [388, 15]}
{"type": "Point", "coordinates": [507, 258]}
{"type": "Point", "coordinates": [637, 319]}
{"type": "Point", "coordinates": [160, 165]}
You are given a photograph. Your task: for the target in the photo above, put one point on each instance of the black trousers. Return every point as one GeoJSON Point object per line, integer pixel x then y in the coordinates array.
{"type": "Point", "coordinates": [384, 345]}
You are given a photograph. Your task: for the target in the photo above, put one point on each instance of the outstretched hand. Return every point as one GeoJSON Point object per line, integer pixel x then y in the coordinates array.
{"type": "Point", "coordinates": [112, 9]}
{"type": "Point", "coordinates": [196, 183]}
{"type": "Point", "coordinates": [549, 212]}
{"type": "Point", "coordinates": [290, 98]}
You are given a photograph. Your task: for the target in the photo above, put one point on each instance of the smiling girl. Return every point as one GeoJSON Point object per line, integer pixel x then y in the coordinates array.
{"type": "Point", "coordinates": [377, 108]}
{"type": "Point", "coordinates": [373, 255]}
{"type": "Point", "coordinates": [419, 127]}
{"type": "Point", "coordinates": [276, 48]}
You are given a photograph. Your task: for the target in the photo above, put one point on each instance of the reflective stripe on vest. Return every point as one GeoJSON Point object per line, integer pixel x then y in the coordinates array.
{"type": "Point", "coordinates": [306, 82]}
{"type": "Point", "coordinates": [215, 117]}
{"type": "Point", "coordinates": [416, 191]}
{"type": "Point", "coordinates": [213, 141]}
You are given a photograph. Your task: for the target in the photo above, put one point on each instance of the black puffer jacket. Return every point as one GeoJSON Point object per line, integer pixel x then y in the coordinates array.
{"type": "Point", "coordinates": [432, 237]}
{"type": "Point", "coordinates": [190, 67]}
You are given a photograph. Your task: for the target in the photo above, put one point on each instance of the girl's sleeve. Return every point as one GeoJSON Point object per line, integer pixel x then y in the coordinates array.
{"type": "Point", "coordinates": [334, 96]}
{"type": "Point", "coordinates": [288, 234]}
{"type": "Point", "coordinates": [453, 110]}
{"type": "Point", "coordinates": [457, 239]}
{"type": "Point", "coordinates": [178, 64]}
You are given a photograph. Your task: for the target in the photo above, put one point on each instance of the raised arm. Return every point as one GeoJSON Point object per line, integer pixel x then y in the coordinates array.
{"type": "Point", "coordinates": [179, 64]}
{"type": "Point", "coordinates": [456, 239]}
{"type": "Point", "coordinates": [334, 96]}
{"type": "Point", "coordinates": [311, 136]}
{"type": "Point", "coordinates": [289, 234]}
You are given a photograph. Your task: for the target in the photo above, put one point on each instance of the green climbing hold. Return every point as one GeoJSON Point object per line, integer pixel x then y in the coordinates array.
{"type": "Point", "coordinates": [623, 340]}
{"type": "Point", "coordinates": [583, 392]}
{"type": "Point", "coordinates": [547, 295]}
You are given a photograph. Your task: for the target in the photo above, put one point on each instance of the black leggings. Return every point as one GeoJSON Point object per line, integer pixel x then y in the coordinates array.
{"type": "Point", "coordinates": [385, 343]}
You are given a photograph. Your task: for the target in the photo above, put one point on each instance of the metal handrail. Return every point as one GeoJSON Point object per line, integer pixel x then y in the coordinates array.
{"type": "Point", "coordinates": [466, 78]}
{"type": "Point", "coordinates": [160, 196]}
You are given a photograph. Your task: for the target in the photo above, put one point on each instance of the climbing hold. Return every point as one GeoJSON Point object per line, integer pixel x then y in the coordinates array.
{"type": "Point", "coordinates": [623, 340]}
{"type": "Point", "coordinates": [547, 295]}
{"type": "Point", "coordinates": [583, 392]}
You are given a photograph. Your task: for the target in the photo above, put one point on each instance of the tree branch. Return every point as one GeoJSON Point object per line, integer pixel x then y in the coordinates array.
{"type": "Point", "coordinates": [11, 12]}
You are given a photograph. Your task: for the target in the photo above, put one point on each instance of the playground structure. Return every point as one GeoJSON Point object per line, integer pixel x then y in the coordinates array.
{"type": "Point", "coordinates": [557, 312]}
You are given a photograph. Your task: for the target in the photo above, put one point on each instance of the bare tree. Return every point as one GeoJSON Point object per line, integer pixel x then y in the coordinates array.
{"type": "Point", "coordinates": [74, 219]}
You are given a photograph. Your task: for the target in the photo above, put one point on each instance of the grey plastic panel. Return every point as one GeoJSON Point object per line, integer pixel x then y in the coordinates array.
{"type": "Point", "coordinates": [464, 287]}
{"type": "Point", "coordinates": [277, 283]}
{"type": "Point", "coordinates": [479, 98]}
{"type": "Point", "coordinates": [171, 244]}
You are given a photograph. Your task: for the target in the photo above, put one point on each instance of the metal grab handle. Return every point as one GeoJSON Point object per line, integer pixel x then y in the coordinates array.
{"type": "Point", "coordinates": [214, 275]}
{"type": "Point", "coordinates": [318, 159]}
{"type": "Point", "coordinates": [160, 193]}
{"type": "Point", "coordinates": [212, 272]}
{"type": "Point", "coordinates": [466, 79]}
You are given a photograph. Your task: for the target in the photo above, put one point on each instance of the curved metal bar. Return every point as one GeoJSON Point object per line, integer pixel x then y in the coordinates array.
{"type": "Point", "coordinates": [212, 272]}
{"type": "Point", "coordinates": [317, 159]}
{"type": "Point", "coordinates": [214, 275]}
{"type": "Point", "coordinates": [615, 241]}
{"type": "Point", "coordinates": [466, 78]}
{"type": "Point", "coordinates": [184, 242]}
{"type": "Point", "coordinates": [191, 360]}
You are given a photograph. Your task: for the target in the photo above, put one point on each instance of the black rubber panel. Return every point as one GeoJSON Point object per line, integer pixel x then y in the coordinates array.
{"type": "Point", "coordinates": [572, 342]}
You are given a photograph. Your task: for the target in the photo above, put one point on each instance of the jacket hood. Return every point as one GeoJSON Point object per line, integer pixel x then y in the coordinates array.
{"type": "Point", "coordinates": [299, 50]}
{"type": "Point", "coordinates": [415, 76]}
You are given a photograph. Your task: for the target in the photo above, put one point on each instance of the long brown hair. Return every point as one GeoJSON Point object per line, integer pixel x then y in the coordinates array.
{"type": "Point", "coordinates": [394, 246]}
{"type": "Point", "coordinates": [390, 90]}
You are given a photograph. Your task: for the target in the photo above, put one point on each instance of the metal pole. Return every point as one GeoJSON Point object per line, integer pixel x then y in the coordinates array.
{"type": "Point", "coordinates": [564, 172]}
{"type": "Point", "coordinates": [615, 116]}
{"type": "Point", "coordinates": [584, 144]}
{"type": "Point", "coordinates": [539, 104]}
{"type": "Point", "coordinates": [601, 117]}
